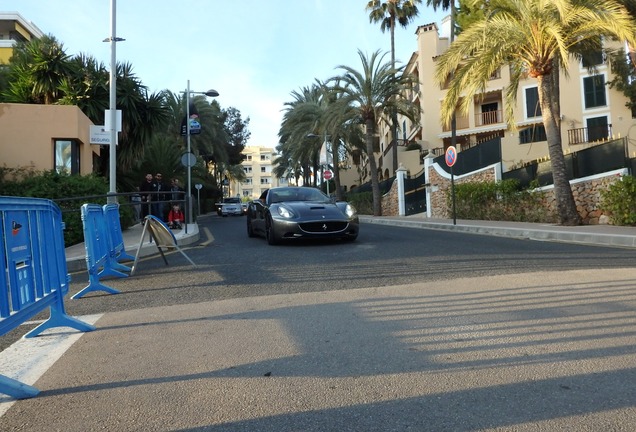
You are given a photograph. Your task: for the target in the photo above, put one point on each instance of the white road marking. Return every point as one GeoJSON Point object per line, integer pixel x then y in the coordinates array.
{"type": "Point", "coordinates": [28, 359]}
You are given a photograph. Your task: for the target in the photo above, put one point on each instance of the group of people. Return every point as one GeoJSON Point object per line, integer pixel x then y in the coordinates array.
{"type": "Point", "coordinates": [162, 200]}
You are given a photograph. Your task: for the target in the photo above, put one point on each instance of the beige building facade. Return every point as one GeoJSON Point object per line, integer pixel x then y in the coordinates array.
{"type": "Point", "coordinates": [591, 113]}
{"type": "Point", "coordinates": [258, 165]}
{"type": "Point", "coordinates": [13, 29]}
{"type": "Point", "coordinates": [40, 137]}
{"type": "Point", "coordinates": [46, 137]}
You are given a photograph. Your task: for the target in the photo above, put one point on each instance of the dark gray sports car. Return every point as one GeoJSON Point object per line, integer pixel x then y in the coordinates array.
{"type": "Point", "coordinates": [287, 213]}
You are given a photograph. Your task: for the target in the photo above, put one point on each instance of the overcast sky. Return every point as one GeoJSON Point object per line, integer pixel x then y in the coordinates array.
{"type": "Point", "coordinates": [253, 52]}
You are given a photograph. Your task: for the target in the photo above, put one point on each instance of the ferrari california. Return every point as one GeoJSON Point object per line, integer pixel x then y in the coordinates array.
{"type": "Point", "coordinates": [288, 213]}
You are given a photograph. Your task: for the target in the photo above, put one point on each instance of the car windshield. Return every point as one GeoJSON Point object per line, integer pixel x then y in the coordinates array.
{"type": "Point", "coordinates": [297, 194]}
{"type": "Point", "coordinates": [231, 200]}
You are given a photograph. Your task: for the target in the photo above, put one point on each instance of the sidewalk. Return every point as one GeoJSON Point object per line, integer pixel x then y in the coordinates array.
{"type": "Point", "coordinates": [598, 235]}
{"type": "Point", "coordinates": [76, 254]}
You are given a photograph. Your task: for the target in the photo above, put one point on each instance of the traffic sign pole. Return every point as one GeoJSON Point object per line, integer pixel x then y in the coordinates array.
{"type": "Point", "coordinates": [327, 174]}
{"type": "Point", "coordinates": [451, 158]}
{"type": "Point", "coordinates": [453, 196]}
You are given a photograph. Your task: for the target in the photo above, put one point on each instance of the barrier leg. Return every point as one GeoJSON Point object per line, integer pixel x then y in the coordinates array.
{"type": "Point", "coordinates": [94, 285]}
{"type": "Point", "coordinates": [125, 256]}
{"type": "Point", "coordinates": [59, 318]}
{"type": "Point", "coordinates": [107, 271]}
{"type": "Point", "coordinates": [117, 266]}
{"type": "Point", "coordinates": [16, 389]}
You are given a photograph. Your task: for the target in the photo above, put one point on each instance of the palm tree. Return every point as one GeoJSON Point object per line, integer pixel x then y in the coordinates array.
{"type": "Point", "coordinates": [535, 37]}
{"type": "Point", "coordinates": [368, 96]}
{"type": "Point", "coordinates": [389, 13]}
{"type": "Point", "coordinates": [344, 132]}
{"type": "Point", "coordinates": [311, 121]}
{"type": "Point", "coordinates": [37, 71]}
{"type": "Point", "coordinates": [304, 116]}
{"type": "Point", "coordinates": [87, 87]}
{"type": "Point", "coordinates": [142, 114]}
{"type": "Point", "coordinates": [209, 145]}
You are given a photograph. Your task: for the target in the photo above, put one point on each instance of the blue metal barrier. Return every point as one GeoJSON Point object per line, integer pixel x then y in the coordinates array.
{"type": "Point", "coordinates": [100, 261]}
{"type": "Point", "coordinates": [35, 275]}
{"type": "Point", "coordinates": [115, 237]}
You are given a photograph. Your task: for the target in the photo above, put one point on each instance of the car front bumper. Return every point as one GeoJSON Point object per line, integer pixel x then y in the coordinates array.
{"type": "Point", "coordinates": [291, 229]}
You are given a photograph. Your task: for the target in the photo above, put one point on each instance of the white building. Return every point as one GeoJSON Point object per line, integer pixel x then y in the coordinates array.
{"type": "Point", "coordinates": [258, 166]}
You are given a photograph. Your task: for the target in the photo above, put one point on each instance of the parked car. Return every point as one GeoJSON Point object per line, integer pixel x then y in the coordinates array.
{"type": "Point", "coordinates": [289, 213]}
{"type": "Point", "coordinates": [230, 207]}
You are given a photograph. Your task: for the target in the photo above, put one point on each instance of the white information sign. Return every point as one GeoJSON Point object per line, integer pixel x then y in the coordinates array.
{"type": "Point", "coordinates": [99, 135]}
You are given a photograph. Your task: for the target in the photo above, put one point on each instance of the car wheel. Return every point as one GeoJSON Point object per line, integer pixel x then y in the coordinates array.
{"type": "Point", "coordinates": [269, 232]}
{"type": "Point", "coordinates": [250, 230]}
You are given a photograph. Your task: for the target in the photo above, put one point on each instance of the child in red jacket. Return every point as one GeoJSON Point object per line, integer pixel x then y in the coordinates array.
{"type": "Point", "coordinates": [175, 217]}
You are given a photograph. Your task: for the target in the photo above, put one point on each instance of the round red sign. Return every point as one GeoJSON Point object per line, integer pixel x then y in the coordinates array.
{"type": "Point", "coordinates": [450, 156]}
{"type": "Point", "coordinates": [327, 175]}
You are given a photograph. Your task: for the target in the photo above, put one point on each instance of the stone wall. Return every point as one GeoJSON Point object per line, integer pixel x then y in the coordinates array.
{"type": "Point", "coordinates": [587, 194]}
{"type": "Point", "coordinates": [390, 201]}
{"type": "Point", "coordinates": [440, 185]}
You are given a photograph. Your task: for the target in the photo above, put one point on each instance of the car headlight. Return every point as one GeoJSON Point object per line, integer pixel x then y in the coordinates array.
{"type": "Point", "coordinates": [350, 210]}
{"type": "Point", "coordinates": [285, 212]}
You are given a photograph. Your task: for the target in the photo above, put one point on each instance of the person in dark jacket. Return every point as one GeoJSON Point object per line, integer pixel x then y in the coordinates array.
{"type": "Point", "coordinates": [145, 192]}
{"type": "Point", "coordinates": [162, 195]}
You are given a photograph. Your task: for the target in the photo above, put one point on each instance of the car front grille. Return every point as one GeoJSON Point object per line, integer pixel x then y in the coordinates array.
{"type": "Point", "coordinates": [323, 227]}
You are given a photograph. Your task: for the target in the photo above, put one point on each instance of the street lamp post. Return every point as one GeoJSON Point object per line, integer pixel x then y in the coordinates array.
{"type": "Point", "coordinates": [112, 154]}
{"type": "Point", "coordinates": [210, 93]}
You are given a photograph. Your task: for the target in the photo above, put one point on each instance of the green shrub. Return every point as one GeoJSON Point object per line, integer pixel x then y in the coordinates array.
{"type": "Point", "coordinates": [363, 202]}
{"type": "Point", "coordinates": [619, 199]}
{"type": "Point", "coordinates": [503, 201]}
{"type": "Point", "coordinates": [54, 186]}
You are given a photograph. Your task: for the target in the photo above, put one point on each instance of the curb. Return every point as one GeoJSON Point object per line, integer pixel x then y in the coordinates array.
{"type": "Point", "coordinates": [78, 263]}
{"type": "Point", "coordinates": [539, 233]}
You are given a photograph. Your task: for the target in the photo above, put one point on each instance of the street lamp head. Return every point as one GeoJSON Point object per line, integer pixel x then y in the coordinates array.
{"type": "Point", "coordinates": [211, 93]}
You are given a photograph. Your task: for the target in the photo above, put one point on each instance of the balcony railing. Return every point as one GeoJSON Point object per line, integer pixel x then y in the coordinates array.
{"type": "Point", "coordinates": [589, 134]}
{"type": "Point", "coordinates": [481, 119]}
{"type": "Point", "coordinates": [488, 117]}
{"type": "Point", "coordinates": [461, 123]}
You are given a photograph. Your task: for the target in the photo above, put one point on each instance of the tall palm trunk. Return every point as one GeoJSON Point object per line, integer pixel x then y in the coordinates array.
{"type": "Point", "coordinates": [550, 109]}
{"type": "Point", "coordinates": [394, 120]}
{"type": "Point", "coordinates": [375, 184]}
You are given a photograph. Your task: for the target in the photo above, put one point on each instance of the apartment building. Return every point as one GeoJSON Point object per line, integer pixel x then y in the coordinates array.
{"type": "Point", "coordinates": [13, 29]}
{"type": "Point", "coordinates": [258, 166]}
{"type": "Point", "coordinates": [592, 113]}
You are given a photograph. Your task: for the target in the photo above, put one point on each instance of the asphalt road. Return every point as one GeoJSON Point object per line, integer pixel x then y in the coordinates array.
{"type": "Point", "coordinates": [404, 329]}
{"type": "Point", "coordinates": [231, 265]}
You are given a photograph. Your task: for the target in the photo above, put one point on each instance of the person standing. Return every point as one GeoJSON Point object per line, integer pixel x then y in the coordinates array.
{"type": "Point", "coordinates": [135, 199]}
{"type": "Point", "coordinates": [146, 189]}
{"type": "Point", "coordinates": [176, 191]}
{"type": "Point", "coordinates": [161, 196]}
